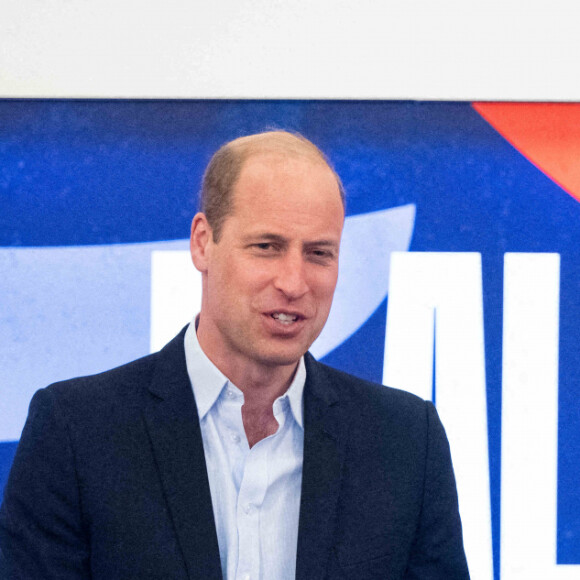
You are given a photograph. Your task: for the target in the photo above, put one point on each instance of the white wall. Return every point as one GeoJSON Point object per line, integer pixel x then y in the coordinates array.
{"type": "Point", "coordinates": [336, 49]}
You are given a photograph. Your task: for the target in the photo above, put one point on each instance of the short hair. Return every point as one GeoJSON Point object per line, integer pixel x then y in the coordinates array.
{"type": "Point", "coordinates": [224, 168]}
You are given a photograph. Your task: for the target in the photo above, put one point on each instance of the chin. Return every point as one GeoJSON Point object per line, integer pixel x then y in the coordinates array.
{"type": "Point", "coordinates": [281, 358]}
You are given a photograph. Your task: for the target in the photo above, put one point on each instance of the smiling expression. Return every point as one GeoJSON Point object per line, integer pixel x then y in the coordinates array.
{"type": "Point", "coordinates": [269, 281]}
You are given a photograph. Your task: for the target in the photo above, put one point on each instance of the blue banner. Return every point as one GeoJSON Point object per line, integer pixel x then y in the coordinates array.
{"type": "Point", "coordinates": [476, 208]}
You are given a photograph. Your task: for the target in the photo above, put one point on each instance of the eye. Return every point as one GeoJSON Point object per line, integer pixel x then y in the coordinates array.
{"type": "Point", "coordinates": [321, 255]}
{"type": "Point", "coordinates": [264, 246]}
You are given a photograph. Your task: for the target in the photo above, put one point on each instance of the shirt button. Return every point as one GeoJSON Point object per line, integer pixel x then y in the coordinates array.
{"type": "Point", "coordinates": [248, 509]}
{"type": "Point", "coordinates": [231, 394]}
{"type": "Point", "coordinates": [235, 437]}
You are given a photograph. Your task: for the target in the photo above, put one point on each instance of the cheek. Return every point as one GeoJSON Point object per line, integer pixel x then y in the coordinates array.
{"type": "Point", "coordinates": [224, 288]}
{"type": "Point", "coordinates": [254, 276]}
{"type": "Point", "coordinates": [324, 284]}
{"type": "Point", "coordinates": [243, 282]}
{"type": "Point", "coordinates": [229, 272]}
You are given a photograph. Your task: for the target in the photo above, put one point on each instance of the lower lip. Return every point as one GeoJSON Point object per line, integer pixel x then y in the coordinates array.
{"type": "Point", "coordinates": [277, 328]}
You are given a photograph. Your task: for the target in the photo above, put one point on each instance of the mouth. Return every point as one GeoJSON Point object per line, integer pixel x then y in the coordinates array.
{"type": "Point", "coordinates": [286, 318]}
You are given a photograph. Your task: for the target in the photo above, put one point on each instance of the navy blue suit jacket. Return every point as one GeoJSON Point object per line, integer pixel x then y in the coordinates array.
{"type": "Point", "coordinates": [109, 482]}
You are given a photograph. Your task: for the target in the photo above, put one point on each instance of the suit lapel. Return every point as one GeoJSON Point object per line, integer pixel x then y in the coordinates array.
{"type": "Point", "coordinates": [173, 426]}
{"type": "Point", "coordinates": [324, 426]}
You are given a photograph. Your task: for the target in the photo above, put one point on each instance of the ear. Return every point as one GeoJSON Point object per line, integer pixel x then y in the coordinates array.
{"type": "Point", "coordinates": [200, 241]}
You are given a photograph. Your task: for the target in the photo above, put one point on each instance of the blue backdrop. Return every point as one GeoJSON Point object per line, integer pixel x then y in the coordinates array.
{"type": "Point", "coordinates": [77, 174]}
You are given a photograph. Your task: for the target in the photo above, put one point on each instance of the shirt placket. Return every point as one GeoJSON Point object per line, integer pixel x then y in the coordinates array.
{"type": "Point", "coordinates": [250, 500]}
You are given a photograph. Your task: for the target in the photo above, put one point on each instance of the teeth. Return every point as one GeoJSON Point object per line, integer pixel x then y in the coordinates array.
{"type": "Point", "coordinates": [284, 318]}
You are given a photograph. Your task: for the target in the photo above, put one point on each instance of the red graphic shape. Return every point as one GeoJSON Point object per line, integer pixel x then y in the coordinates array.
{"type": "Point", "coordinates": [548, 134]}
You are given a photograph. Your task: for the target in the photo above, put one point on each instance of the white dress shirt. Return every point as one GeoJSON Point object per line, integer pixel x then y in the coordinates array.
{"type": "Point", "coordinates": [255, 492]}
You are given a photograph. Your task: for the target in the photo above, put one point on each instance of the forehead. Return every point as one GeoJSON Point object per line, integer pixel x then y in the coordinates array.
{"type": "Point", "coordinates": [273, 176]}
{"type": "Point", "coordinates": [284, 191]}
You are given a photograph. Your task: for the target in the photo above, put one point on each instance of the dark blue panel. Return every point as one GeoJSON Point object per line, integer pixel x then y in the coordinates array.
{"type": "Point", "coordinates": [100, 172]}
{"type": "Point", "coordinates": [358, 354]}
{"type": "Point", "coordinates": [7, 452]}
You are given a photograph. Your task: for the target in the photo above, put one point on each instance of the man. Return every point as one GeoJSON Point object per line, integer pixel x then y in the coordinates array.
{"type": "Point", "coordinates": [232, 453]}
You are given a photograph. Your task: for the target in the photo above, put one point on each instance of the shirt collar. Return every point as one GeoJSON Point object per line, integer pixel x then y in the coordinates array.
{"type": "Point", "coordinates": [208, 381]}
{"type": "Point", "coordinates": [295, 392]}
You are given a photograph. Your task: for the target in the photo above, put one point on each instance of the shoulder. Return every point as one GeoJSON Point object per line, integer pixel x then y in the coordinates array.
{"type": "Point", "coordinates": [383, 421]}
{"type": "Point", "coordinates": [123, 382]}
{"type": "Point", "coordinates": [114, 391]}
{"type": "Point", "coordinates": [365, 396]}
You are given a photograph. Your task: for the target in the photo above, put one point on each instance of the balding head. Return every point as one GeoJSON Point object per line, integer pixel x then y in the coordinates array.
{"type": "Point", "coordinates": [223, 171]}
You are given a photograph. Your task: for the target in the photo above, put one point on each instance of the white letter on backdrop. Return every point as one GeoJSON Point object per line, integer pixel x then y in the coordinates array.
{"type": "Point", "coordinates": [435, 304]}
{"type": "Point", "coordinates": [529, 463]}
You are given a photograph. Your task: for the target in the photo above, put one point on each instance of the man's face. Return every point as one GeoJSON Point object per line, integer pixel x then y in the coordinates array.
{"type": "Point", "coordinates": [271, 277]}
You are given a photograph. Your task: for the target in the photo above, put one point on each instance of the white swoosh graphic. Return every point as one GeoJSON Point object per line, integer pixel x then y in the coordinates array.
{"type": "Point", "coordinates": [363, 281]}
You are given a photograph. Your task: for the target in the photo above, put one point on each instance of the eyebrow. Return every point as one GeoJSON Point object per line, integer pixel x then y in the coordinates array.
{"type": "Point", "coordinates": [270, 237]}
{"type": "Point", "coordinates": [325, 243]}
{"type": "Point", "coordinates": [267, 236]}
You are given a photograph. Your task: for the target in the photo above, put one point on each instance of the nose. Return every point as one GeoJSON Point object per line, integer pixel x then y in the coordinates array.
{"type": "Point", "coordinates": [290, 277]}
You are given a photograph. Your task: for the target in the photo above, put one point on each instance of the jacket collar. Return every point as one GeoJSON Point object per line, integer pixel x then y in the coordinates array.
{"type": "Point", "coordinates": [325, 421]}
{"type": "Point", "coordinates": [173, 426]}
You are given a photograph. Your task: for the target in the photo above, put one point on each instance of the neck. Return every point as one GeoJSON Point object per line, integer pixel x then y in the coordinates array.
{"type": "Point", "coordinates": [261, 383]}
{"type": "Point", "coordinates": [258, 382]}
{"type": "Point", "coordinates": [260, 391]}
